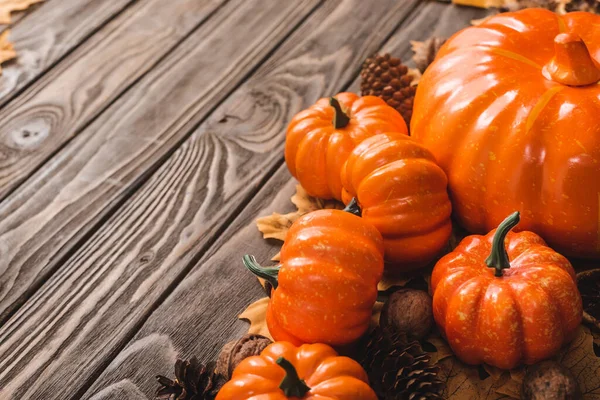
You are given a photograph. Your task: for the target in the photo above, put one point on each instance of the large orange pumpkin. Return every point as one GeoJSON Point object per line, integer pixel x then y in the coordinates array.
{"type": "Point", "coordinates": [320, 138]}
{"type": "Point", "coordinates": [326, 284]}
{"type": "Point", "coordinates": [510, 110]}
{"type": "Point", "coordinates": [403, 193]}
{"type": "Point", "coordinates": [309, 372]}
{"type": "Point", "coordinates": [505, 306]}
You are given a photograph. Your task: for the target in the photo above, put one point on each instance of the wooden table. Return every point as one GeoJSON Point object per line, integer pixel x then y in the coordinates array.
{"type": "Point", "coordinates": [139, 141]}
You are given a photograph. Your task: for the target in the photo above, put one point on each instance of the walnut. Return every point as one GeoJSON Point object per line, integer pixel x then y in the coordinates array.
{"type": "Point", "coordinates": [409, 312]}
{"type": "Point", "coordinates": [234, 352]}
{"type": "Point", "coordinates": [549, 380]}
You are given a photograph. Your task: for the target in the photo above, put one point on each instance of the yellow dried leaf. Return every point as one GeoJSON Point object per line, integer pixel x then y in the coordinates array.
{"type": "Point", "coordinates": [388, 282]}
{"type": "Point", "coordinates": [256, 314]}
{"type": "Point", "coordinates": [7, 51]}
{"type": "Point", "coordinates": [416, 75]}
{"type": "Point", "coordinates": [275, 226]}
{"type": "Point", "coordinates": [8, 6]}
{"type": "Point", "coordinates": [484, 3]}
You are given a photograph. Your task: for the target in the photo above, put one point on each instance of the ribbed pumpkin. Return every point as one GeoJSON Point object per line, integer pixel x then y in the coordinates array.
{"type": "Point", "coordinates": [403, 193]}
{"type": "Point", "coordinates": [510, 110]}
{"type": "Point", "coordinates": [326, 284]}
{"type": "Point", "coordinates": [309, 372]}
{"type": "Point", "coordinates": [505, 298]}
{"type": "Point", "coordinates": [320, 138]}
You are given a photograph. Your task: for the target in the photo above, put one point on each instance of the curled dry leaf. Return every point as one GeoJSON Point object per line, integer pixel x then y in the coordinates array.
{"type": "Point", "coordinates": [8, 6]}
{"type": "Point", "coordinates": [426, 51]}
{"type": "Point", "coordinates": [416, 75]}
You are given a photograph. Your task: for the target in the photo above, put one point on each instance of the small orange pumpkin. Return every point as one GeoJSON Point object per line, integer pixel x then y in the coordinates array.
{"type": "Point", "coordinates": [326, 284]}
{"type": "Point", "coordinates": [309, 372]}
{"type": "Point", "coordinates": [510, 110]}
{"type": "Point", "coordinates": [320, 138]}
{"type": "Point", "coordinates": [403, 193]}
{"type": "Point", "coordinates": [518, 305]}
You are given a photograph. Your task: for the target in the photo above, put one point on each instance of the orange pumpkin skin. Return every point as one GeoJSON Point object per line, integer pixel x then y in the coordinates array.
{"type": "Point", "coordinates": [524, 316]}
{"type": "Point", "coordinates": [331, 263]}
{"type": "Point", "coordinates": [315, 150]}
{"type": "Point", "coordinates": [403, 193]}
{"type": "Point", "coordinates": [508, 112]}
{"type": "Point", "coordinates": [328, 375]}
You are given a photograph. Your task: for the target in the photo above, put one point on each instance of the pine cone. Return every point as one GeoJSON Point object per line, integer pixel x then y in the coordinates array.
{"type": "Point", "coordinates": [384, 76]}
{"type": "Point", "coordinates": [400, 370]}
{"type": "Point", "coordinates": [193, 381]}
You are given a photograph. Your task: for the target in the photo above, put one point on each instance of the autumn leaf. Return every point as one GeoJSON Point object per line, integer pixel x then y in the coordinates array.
{"type": "Point", "coordinates": [580, 358]}
{"type": "Point", "coordinates": [256, 314]}
{"type": "Point", "coordinates": [8, 6]}
{"type": "Point", "coordinates": [485, 3]}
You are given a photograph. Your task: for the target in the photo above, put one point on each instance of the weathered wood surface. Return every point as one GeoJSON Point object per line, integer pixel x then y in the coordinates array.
{"type": "Point", "coordinates": [47, 33]}
{"type": "Point", "coordinates": [77, 321]}
{"type": "Point", "coordinates": [59, 105]}
{"type": "Point", "coordinates": [200, 316]}
{"type": "Point", "coordinates": [53, 211]}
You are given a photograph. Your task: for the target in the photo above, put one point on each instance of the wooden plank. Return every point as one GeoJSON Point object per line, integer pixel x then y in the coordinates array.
{"type": "Point", "coordinates": [96, 301]}
{"type": "Point", "coordinates": [44, 220]}
{"type": "Point", "coordinates": [200, 316]}
{"type": "Point", "coordinates": [55, 109]}
{"type": "Point", "coordinates": [45, 35]}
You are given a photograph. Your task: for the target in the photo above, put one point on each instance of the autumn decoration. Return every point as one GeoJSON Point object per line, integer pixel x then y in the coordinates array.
{"type": "Point", "coordinates": [505, 298]}
{"type": "Point", "coordinates": [320, 138]}
{"type": "Point", "coordinates": [193, 381]}
{"type": "Point", "coordinates": [326, 284]}
{"type": "Point", "coordinates": [526, 140]}
{"type": "Point", "coordinates": [408, 312]}
{"type": "Point", "coordinates": [403, 193]}
{"type": "Point", "coordinates": [311, 371]}
{"type": "Point", "coordinates": [9, 6]}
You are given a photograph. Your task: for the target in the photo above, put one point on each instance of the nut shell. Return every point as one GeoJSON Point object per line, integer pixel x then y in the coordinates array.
{"type": "Point", "coordinates": [234, 352]}
{"type": "Point", "coordinates": [408, 312]}
{"type": "Point", "coordinates": [549, 380]}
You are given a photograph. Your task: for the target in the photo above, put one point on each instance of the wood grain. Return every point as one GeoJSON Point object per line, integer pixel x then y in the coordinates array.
{"type": "Point", "coordinates": [45, 219]}
{"type": "Point", "coordinates": [78, 320]}
{"type": "Point", "coordinates": [57, 107]}
{"type": "Point", "coordinates": [46, 33]}
{"type": "Point", "coordinates": [200, 316]}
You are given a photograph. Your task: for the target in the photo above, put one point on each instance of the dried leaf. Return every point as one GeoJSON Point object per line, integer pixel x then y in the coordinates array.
{"type": "Point", "coordinates": [256, 314]}
{"type": "Point", "coordinates": [8, 6]}
{"type": "Point", "coordinates": [463, 382]}
{"type": "Point", "coordinates": [7, 51]}
{"type": "Point", "coordinates": [443, 350]}
{"type": "Point", "coordinates": [580, 358]}
{"type": "Point", "coordinates": [388, 282]}
{"type": "Point", "coordinates": [416, 75]}
{"type": "Point", "coordinates": [275, 226]}
{"type": "Point", "coordinates": [426, 51]}
{"type": "Point", "coordinates": [483, 3]}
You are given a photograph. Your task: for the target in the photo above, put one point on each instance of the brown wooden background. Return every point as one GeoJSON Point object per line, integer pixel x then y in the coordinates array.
{"type": "Point", "coordinates": [139, 141]}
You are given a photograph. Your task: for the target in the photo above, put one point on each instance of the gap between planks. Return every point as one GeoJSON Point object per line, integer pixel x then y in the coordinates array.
{"type": "Point", "coordinates": [335, 66]}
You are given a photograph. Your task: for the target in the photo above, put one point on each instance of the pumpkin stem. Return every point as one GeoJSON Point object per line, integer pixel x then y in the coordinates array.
{"type": "Point", "coordinates": [498, 258]}
{"type": "Point", "coordinates": [572, 63]}
{"type": "Point", "coordinates": [353, 207]}
{"type": "Point", "coordinates": [340, 118]}
{"type": "Point", "coordinates": [291, 384]}
{"type": "Point", "coordinates": [268, 274]}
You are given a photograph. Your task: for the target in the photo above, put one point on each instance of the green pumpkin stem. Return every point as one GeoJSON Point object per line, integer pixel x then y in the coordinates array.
{"type": "Point", "coordinates": [291, 384]}
{"type": "Point", "coordinates": [268, 274]}
{"type": "Point", "coordinates": [340, 118]}
{"type": "Point", "coordinates": [353, 207]}
{"type": "Point", "coordinates": [498, 258]}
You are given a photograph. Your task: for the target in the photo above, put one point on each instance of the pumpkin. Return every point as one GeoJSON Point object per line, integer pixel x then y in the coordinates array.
{"type": "Point", "coordinates": [518, 305]}
{"type": "Point", "coordinates": [326, 284]}
{"type": "Point", "coordinates": [320, 138]}
{"type": "Point", "coordinates": [510, 110]}
{"type": "Point", "coordinates": [403, 193]}
{"type": "Point", "coordinates": [284, 371]}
